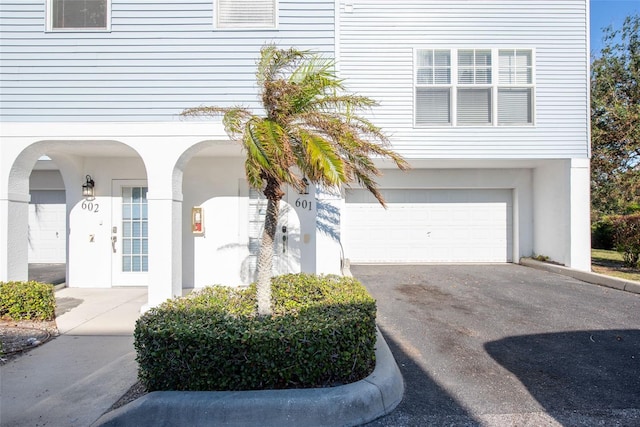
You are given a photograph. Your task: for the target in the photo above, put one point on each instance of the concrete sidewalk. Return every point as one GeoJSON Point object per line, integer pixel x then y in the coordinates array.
{"type": "Point", "coordinates": [73, 379]}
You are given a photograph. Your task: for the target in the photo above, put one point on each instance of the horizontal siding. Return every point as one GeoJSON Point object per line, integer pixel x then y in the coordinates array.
{"type": "Point", "coordinates": [376, 45]}
{"type": "Point", "coordinates": [159, 58]}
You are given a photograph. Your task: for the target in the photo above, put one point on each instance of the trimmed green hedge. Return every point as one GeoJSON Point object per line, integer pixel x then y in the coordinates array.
{"type": "Point", "coordinates": [27, 301]}
{"type": "Point", "coordinates": [322, 333]}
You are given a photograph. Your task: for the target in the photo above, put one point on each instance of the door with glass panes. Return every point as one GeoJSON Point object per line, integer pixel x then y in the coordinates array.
{"type": "Point", "coordinates": [129, 233]}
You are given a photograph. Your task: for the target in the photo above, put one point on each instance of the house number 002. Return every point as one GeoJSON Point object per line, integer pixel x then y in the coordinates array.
{"type": "Point", "coordinates": [304, 204]}
{"type": "Point", "coordinates": [90, 206]}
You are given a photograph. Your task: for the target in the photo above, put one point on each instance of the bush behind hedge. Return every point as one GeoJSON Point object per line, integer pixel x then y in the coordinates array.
{"type": "Point", "coordinates": [626, 233]}
{"type": "Point", "coordinates": [27, 301]}
{"type": "Point", "coordinates": [602, 234]}
{"type": "Point", "coordinates": [322, 333]}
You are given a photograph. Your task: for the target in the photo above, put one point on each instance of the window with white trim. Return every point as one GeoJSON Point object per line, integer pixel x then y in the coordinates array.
{"type": "Point", "coordinates": [474, 87]}
{"type": "Point", "coordinates": [78, 15]}
{"type": "Point", "coordinates": [473, 91]}
{"type": "Point", "coordinates": [246, 14]}
{"type": "Point", "coordinates": [515, 87]}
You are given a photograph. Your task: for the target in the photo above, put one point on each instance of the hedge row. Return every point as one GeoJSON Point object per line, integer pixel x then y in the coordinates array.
{"type": "Point", "coordinates": [27, 301]}
{"type": "Point", "coordinates": [322, 333]}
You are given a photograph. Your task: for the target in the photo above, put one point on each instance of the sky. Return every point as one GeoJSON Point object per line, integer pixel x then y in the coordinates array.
{"type": "Point", "coordinates": [609, 12]}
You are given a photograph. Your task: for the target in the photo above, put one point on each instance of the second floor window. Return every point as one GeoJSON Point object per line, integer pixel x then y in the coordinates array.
{"type": "Point", "coordinates": [515, 87]}
{"type": "Point", "coordinates": [78, 15]}
{"type": "Point", "coordinates": [473, 87]}
{"type": "Point", "coordinates": [246, 14]}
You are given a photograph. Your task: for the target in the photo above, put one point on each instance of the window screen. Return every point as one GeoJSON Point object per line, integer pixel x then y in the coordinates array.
{"type": "Point", "coordinates": [246, 13]}
{"type": "Point", "coordinates": [71, 14]}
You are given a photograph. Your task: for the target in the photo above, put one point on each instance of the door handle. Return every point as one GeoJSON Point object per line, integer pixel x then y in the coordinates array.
{"type": "Point", "coordinates": [114, 239]}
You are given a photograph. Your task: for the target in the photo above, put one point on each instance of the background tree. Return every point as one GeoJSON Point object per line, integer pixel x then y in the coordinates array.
{"type": "Point", "coordinates": [309, 127]}
{"type": "Point", "coordinates": [615, 121]}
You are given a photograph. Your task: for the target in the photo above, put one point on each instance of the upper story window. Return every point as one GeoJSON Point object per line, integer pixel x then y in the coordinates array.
{"type": "Point", "coordinates": [515, 87]}
{"type": "Point", "coordinates": [78, 15]}
{"type": "Point", "coordinates": [246, 14]}
{"type": "Point", "coordinates": [465, 87]}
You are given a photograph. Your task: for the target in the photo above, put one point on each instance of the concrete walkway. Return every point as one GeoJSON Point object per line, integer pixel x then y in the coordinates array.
{"type": "Point", "coordinates": [73, 379]}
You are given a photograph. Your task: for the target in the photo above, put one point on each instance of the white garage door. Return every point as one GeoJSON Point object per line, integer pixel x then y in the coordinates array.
{"type": "Point", "coordinates": [429, 226]}
{"type": "Point", "coordinates": [47, 226]}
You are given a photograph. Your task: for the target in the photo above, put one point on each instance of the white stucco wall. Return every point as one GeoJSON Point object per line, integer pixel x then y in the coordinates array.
{"type": "Point", "coordinates": [193, 164]}
{"type": "Point", "coordinates": [221, 254]}
{"type": "Point", "coordinates": [213, 184]}
{"type": "Point", "coordinates": [580, 217]}
{"type": "Point", "coordinates": [561, 210]}
{"type": "Point", "coordinates": [551, 210]}
{"type": "Point", "coordinates": [90, 247]}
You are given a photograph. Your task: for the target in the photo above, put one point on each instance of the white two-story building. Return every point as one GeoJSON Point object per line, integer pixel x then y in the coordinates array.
{"type": "Point", "coordinates": [487, 99]}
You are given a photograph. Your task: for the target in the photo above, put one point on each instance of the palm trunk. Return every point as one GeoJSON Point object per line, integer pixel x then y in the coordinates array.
{"type": "Point", "coordinates": [265, 259]}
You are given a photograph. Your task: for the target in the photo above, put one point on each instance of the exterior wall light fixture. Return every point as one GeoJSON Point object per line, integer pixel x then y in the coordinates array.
{"type": "Point", "coordinates": [87, 187]}
{"type": "Point", "coordinates": [305, 188]}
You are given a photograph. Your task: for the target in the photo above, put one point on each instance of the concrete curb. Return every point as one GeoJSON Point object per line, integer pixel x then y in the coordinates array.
{"type": "Point", "coordinates": [348, 405]}
{"type": "Point", "coordinates": [589, 277]}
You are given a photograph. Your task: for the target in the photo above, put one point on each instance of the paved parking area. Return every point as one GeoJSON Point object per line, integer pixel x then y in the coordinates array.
{"type": "Point", "coordinates": [506, 345]}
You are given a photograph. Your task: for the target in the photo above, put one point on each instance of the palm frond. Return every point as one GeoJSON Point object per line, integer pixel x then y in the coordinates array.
{"type": "Point", "coordinates": [269, 151]}
{"type": "Point", "coordinates": [312, 125]}
{"type": "Point", "coordinates": [343, 103]}
{"type": "Point", "coordinates": [256, 153]}
{"type": "Point", "coordinates": [322, 161]}
{"type": "Point", "coordinates": [233, 118]}
{"type": "Point", "coordinates": [275, 63]}
{"type": "Point", "coordinates": [363, 176]}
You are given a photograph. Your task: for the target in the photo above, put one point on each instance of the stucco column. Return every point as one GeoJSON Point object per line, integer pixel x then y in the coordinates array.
{"type": "Point", "coordinates": [14, 226]}
{"type": "Point", "coordinates": [305, 206]}
{"type": "Point", "coordinates": [580, 215]}
{"type": "Point", "coordinates": [328, 246]}
{"type": "Point", "coordinates": [165, 248]}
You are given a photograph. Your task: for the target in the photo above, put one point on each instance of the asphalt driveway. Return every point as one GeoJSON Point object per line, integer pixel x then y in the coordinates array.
{"type": "Point", "coordinates": [506, 345]}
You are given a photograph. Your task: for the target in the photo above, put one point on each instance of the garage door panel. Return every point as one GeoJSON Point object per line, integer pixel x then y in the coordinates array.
{"type": "Point", "coordinates": [47, 226]}
{"type": "Point", "coordinates": [429, 226]}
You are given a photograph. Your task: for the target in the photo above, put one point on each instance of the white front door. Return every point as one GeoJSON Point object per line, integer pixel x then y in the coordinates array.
{"type": "Point", "coordinates": [129, 233]}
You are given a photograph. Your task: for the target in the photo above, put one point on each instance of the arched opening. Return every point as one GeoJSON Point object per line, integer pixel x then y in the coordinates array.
{"type": "Point", "coordinates": [47, 225]}
{"type": "Point", "coordinates": [87, 233]}
{"type": "Point", "coordinates": [223, 248]}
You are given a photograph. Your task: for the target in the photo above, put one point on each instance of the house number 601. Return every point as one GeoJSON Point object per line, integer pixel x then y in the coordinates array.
{"type": "Point", "coordinates": [304, 204]}
{"type": "Point", "coordinates": [90, 206]}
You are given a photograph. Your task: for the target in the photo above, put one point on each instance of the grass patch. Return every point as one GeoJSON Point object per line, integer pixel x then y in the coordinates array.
{"type": "Point", "coordinates": [611, 263]}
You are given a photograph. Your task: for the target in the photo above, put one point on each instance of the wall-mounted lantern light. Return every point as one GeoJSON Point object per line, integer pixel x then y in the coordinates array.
{"type": "Point", "coordinates": [305, 188]}
{"type": "Point", "coordinates": [87, 187]}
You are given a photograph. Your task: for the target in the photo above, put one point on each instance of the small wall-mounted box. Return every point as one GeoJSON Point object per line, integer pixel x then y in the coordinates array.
{"type": "Point", "coordinates": [197, 220]}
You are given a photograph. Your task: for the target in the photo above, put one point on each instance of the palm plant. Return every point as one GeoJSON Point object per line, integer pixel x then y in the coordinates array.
{"type": "Point", "coordinates": [309, 128]}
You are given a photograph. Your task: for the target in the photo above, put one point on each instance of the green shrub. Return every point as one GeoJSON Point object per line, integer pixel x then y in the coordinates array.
{"type": "Point", "coordinates": [602, 234]}
{"type": "Point", "coordinates": [322, 333]}
{"type": "Point", "coordinates": [627, 238]}
{"type": "Point", "coordinates": [27, 301]}
{"type": "Point", "coordinates": [632, 208]}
